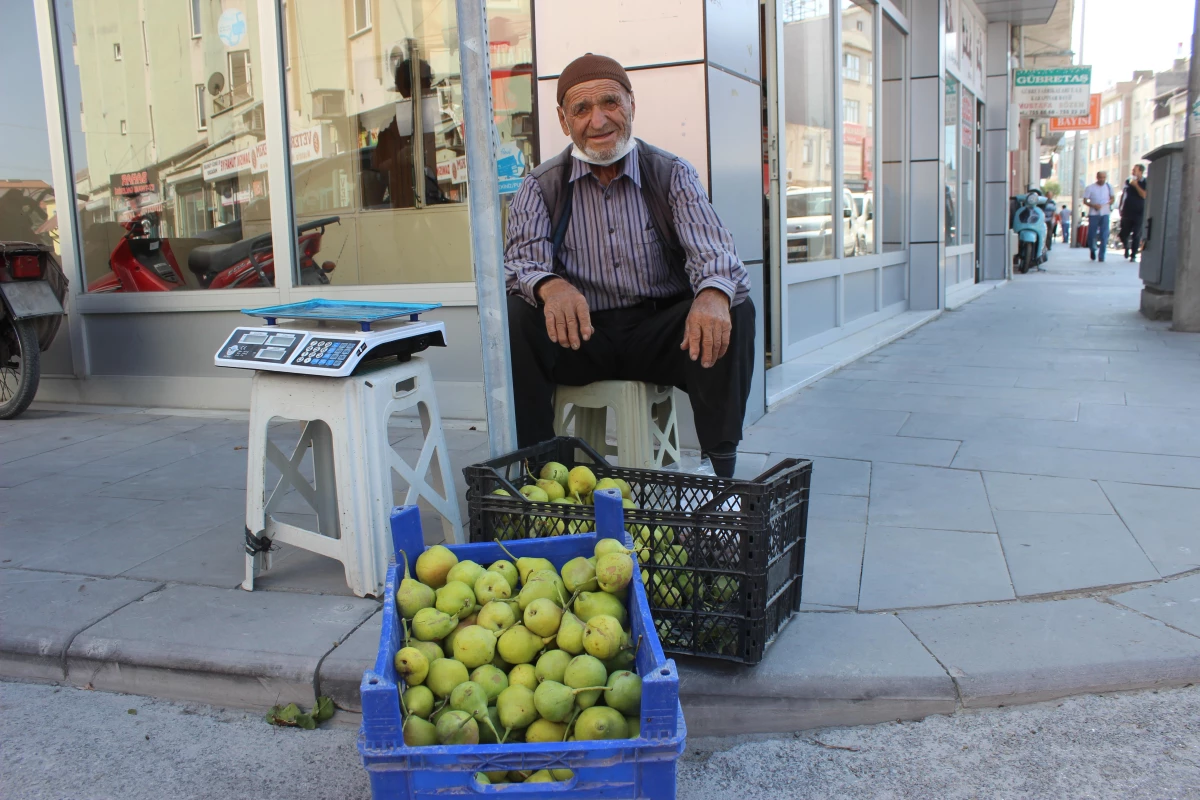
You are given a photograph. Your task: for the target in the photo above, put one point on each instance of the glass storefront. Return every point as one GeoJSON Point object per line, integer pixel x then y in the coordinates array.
{"type": "Point", "coordinates": [967, 192]}
{"type": "Point", "coordinates": [858, 125]}
{"type": "Point", "coordinates": [952, 159]}
{"type": "Point", "coordinates": [892, 200]}
{"type": "Point", "coordinates": [165, 128]}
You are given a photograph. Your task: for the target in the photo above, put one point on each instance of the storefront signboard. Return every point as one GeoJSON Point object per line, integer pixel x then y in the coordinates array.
{"type": "Point", "coordinates": [126, 184]}
{"type": "Point", "coordinates": [968, 120]}
{"type": "Point", "coordinates": [853, 134]}
{"type": "Point", "coordinates": [510, 166]}
{"type": "Point", "coordinates": [231, 27]}
{"type": "Point", "coordinates": [1086, 122]}
{"type": "Point", "coordinates": [1057, 92]}
{"type": "Point", "coordinates": [306, 146]}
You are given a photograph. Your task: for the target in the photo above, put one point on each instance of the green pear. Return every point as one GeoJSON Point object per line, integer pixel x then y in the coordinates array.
{"type": "Point", "coordinates": [626, 490]}
{"type": "Point", "coordinates": [492, 679]}
{"type": "Point", "coordinates": [579, 576]}
{"type": "Point", "coordinates": [509, 571]}
{"type": "Point", "coordinates": [555, 471]}
{"type": "Point", "coordinates": [583, 672]}
{"type": "Point", "coordinates": [551, 665]}
{"type": "Point", "coordinates": [430, 625]}
{"type": "Point", "coordinates": [605, 546]}
{"type": "Point", "coordinates": [516, 708]}
{"type": "Point", "coordinates": [723, 589]}
{"type": "Point", "coordinates": [412, 595]}
{"type": "Point", "coordinates": [519, 645]}
{"type": "Point", "coordinates": [431, 650]}
{"type": "Point", "coordinates": [496, 616]}
{"type": "Point", "coordinates": [606, 483]}
{"type": "Point", "coordinates": [412, 665]}
{"type": "Point", "coordinates": [539, 589]}
{"type": "Point", "coordinates": [418, 700]}
{"type": "Point", "coordinates": [541, 776]}
{"type": "Point", "coordinates": [580, 481]}
{"type": "Point", "coordinates": [497, 776]}
{"type": "Point", "coordinates": [488, 733]}
{"type": "Point", "coordinates": [419, 732]}
{"type": "Point", "coordinates": [456, 599]}
{"type": "Point", "coordinates": [543, 730]}
{"type": "Point", "coordinates": [472, 698]}
{"type": "Point", "coordinates": [535, 494]}
{"type": "Point", "coordinates": [466, 571]}
{"type": "Point", "coordinates": [600, 722]}
{"type": "Point", "coordinates": [444, 675]}
{"type": "Point", "coordinates": [624, 693]}
{"type": "Point", "coordinates": [589, 604]}
{"type": "Point", "coordinates": [674, 555]}
{"type": "Point", "coordinates": [433, 564]}
{"type": "Point", "coordinates": [602, 636]}
{"type": "Point", "coordinates": [542, 617]}
{"type": "Point", "coordinates": [554, 701]}
{"type": "Point", "coordinates": [570, 634]}
{"type": "Point", "coordinates": [552, 576]}
{"type": "Point", "coordinates": [562, 775]}
{"type": "Point", "coordinates": [553, 489]}
{"type": "Point", "coordinates": [614, 571]}
{"type": "Point", "coordinates": [523, 675]}
{"type": "Point", "coordinates": [527, 564]}
{"type": "Point", "coordinates": [634, 727]}
{"type": "Point", "coordinates": [448, 642]}
{"type": "Point", "coordinates": [457, 727]}
{"type": "Point", "coordinates": [491, 586]}
{"type": "Point", "coordinates": [474, 646]}
{"type": "Point", "coordinates": [625, 659]}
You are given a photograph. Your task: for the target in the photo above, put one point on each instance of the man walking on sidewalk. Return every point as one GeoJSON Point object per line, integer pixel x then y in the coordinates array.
{"type": "Point", "coordinates": [1133, 206]}
{"type": "Point", "coordinates": [1098, 197]}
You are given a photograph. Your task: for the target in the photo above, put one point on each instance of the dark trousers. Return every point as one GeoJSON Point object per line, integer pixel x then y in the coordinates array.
{"type": "Point", "coordinates": [1131, 234]}
{"type": "Point", "coordinates": [637, 344]}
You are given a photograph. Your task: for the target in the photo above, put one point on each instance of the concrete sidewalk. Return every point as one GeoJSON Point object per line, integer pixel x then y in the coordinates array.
{"type": "Point", "coordinates": [1006, 509]}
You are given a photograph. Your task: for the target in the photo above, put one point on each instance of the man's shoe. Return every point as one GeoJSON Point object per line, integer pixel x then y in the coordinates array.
{"type": "Point", "coordinates": [1093, 255]}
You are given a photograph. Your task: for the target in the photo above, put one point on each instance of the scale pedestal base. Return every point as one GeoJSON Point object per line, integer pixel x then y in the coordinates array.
{"type": "Point", "coordinates": [353, 465]}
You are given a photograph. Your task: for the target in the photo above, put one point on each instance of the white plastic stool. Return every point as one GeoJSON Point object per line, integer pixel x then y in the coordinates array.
{"type": "Point", "coordinates": [346, 425]}
{"type": "Point", "coordinates": [647, 430]}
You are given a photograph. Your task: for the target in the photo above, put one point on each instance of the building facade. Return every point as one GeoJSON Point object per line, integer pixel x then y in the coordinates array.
{"type": "Point", "coordinates": [859, 151]}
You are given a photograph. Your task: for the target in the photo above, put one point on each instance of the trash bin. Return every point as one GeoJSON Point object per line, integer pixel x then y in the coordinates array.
{"type": "Point", "coordinates": [1164, 195]}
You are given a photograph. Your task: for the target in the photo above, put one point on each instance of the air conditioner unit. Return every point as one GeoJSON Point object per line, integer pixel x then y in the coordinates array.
{"type": "Point", "coordinates": [329, 104]}
{"type": "Point", "coordinates": [254, 121]}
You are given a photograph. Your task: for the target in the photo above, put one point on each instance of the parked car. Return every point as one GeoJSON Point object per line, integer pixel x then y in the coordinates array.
{"type": "Point", "coordinates": [810, 223]}
{"type": "Point", "coordinates": [864, 206]}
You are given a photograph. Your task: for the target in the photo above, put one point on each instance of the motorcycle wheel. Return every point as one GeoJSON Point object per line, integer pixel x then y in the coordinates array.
{"type": "Point", "coordinates": [313, 276]}
{"type": "Point", "coordinates": [21, 367]}
{"type": "Point", "coordinates": [1023, 258]}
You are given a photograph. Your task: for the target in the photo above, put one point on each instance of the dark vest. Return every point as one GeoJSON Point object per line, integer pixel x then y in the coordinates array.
{"type": "Point", "coordinates": [655, 167]}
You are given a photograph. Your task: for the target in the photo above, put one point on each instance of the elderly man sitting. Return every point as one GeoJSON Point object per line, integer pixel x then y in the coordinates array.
{"type": "Point", "coordinates": [618, 269]}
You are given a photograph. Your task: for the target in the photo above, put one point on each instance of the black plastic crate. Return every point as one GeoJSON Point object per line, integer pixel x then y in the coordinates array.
{"type": "Point", "coordinates": [750, 532]}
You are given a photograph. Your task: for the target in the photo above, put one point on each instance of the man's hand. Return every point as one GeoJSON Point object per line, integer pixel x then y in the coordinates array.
{"type": "Point", "coordinates": [568, 321]}
{"type": "Point", "coordinates": [706, 332]}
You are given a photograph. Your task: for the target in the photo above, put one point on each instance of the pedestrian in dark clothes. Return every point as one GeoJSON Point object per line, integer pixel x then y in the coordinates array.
{"type": "Point", "coordinates": [1133, 209]}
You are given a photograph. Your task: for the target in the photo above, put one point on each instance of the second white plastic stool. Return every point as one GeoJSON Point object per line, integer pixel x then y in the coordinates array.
{"type": "Point", "coordinates": [647, 429]}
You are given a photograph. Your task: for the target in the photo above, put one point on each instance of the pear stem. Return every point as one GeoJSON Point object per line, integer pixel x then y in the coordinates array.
{"type": "Point", "coordinates": [403, 707]}
{"type": "Point", "coordinates": [592, 689]}
{"type": "Point", "coordinates": [506, 552]}
{"type": "Point", "coordinates": [574, 716]}
{"type": "Point", "coordinates": [404, 555]}
{"type": "Point", "coordinates": [504, 738]}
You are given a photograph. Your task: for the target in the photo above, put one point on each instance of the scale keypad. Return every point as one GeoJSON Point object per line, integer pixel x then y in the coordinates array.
{"type": "Point", "coordinates": [328, 353]}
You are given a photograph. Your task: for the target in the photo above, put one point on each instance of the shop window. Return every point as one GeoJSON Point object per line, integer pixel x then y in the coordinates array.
{"type": "Point", "coordinates": [967, 168]}
{"type": "Point", "coordinates": [809, 65]}
{"type": "Point", "coordinates": [892, 196]}
{"type": "Point", "coordinates": [953, 105]}
{"type": "Point", "coordinates": [145, 178]}
{"type": "Point", "coordinates": [377, 137]}
{"type": "Point", "coordinates": [858, 138]}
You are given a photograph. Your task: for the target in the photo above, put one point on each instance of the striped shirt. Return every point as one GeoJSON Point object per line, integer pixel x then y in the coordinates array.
{"type": "Point", "coordinates": [612, 252]}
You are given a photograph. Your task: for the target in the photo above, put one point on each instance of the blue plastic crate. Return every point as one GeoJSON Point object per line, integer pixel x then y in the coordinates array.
{"type": "Point", "coordinates": [623, 768]}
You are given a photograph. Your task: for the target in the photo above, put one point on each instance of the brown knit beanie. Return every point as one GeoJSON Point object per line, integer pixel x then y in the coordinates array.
{"type": "Point", "coordinates": [591, 67]}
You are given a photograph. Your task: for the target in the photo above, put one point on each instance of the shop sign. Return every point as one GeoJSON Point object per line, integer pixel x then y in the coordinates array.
{"type": "Point", "coordinates": [458, 170]}
{"type": "Point", "coordinates": [968, 120]}
{"type": "Point", "coordinates": [853, 133]}
{"type": "Point", "coordinates": [510, 166]}
{"type": "Point", "coordinates": [306, 146]}
{"type": "Point", "coordinates": [227, 165]}
{"type": "Point", "coordinates": [125, 184]}
{"type": "Point", "coordinates": [231, 27]}
{"type": "Point", "coordinates": [1057, 92]}
{"type": "Point", "coordinates": [1088, 122]}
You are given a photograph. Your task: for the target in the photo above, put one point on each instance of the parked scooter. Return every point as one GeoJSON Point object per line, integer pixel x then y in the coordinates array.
{"type": "Point", "coordinates": [32, 290]}
{"type": "Point", "coordinates": [1029, 223]}
{"type": "Point", "coordinates": [143, 262]}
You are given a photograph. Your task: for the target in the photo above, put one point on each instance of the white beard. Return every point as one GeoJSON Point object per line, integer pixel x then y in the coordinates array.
{"type": "Point", "coordinates": [621, 151]}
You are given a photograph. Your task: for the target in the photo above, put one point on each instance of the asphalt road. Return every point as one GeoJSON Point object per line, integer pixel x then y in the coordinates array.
{"type": "Point", "coordinates": [58, 742]}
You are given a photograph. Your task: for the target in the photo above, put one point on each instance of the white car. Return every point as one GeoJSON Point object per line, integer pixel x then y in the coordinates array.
{"type": "Point", "coordinates": [864, 207]}
{"type": "Point", "coordinates": [810, 223]}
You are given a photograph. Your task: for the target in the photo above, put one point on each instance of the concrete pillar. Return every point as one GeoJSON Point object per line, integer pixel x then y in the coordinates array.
{"type": "Point", "coordinates": [996, 256]}
{"type": "Point", "coordinates": [926, 113]}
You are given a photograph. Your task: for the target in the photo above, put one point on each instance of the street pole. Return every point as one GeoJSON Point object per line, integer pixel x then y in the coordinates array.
{"type": "Point", "coordinates": [1187, 273]}
{"type": "Point", "coordinates": [487, 238]}
{"type": "Point", "coordinates": [1077, 156]}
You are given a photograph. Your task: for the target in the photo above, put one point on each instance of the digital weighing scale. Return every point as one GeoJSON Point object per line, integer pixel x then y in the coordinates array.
{"type": "Point", "coordinates": [330, 338]}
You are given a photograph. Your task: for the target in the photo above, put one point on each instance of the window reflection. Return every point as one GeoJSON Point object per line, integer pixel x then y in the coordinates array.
{"type": "Point", "coordinates": [858, 126]}
{"type": "Point", "coordinates": [808, 106]}
{"type": "Point", "coordinates": [967, 132]}
{"type": "Point", "coordinates": [952, 203]}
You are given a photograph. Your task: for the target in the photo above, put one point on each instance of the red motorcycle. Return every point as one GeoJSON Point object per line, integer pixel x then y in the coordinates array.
{"type": "Point", "coordinates": [144, 262]}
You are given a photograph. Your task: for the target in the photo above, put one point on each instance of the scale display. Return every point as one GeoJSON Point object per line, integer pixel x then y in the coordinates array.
{"type": "Point", "coordinates": [319, 342]}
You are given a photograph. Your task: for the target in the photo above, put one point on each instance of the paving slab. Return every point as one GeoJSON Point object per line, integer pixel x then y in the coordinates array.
{"type": "Point", "coordinates": [1066, 462]}
{"type": "Point", "coordinates": [847, 445]}
{"type": "Point", "coordinates": [214, 558]}
{"type": "Point", "coordinates": [226, 647]}
{"type": "Point", "coordinates": [934, 404]}
{"type": "Point", "coordinates": [1049, 553]}
{"type": "Point", "coordinates": [856, 669]}
{"type": "Point", "coordinates": [341, 673]}
{"type": "Point", "coordinates": [835, 475]}
{"type": "Point", "coordinates": [908, 496]}
{"type": "Point", "coordinates": [1012, 653]}
{"type": "Point", "coordinates": [911, 567]}
{"type": "Point", "coordinates": [1176, 603]}
{"type": "Point", "coordinates": [1164, 520]}
{"type": "Point", "coordinates": [42, 612]}
{"type": "Point", "coordinates": [1010, 492]}
{"type": "Point", "coordinates": [833, 556]}
{"type": "Point", "coordinates": [840, 507]}
{"type": "Point", "coordinates": [790, 414]}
